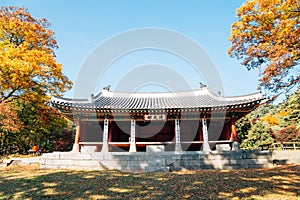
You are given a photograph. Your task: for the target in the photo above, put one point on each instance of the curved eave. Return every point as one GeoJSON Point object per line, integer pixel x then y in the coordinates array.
{"type": "Point", "coordinates": [199, 100]}
{"type": "Point", "coordinates": [70, 108]}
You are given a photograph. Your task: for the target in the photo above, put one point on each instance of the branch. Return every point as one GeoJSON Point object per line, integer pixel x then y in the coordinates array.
{"type": "Point", "coordinates": [9, 94]}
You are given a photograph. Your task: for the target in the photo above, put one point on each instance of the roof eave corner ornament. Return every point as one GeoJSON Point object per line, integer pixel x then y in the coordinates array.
{"type": "Point", "coordinates": [107, 88]}
{"type": "Point", "coordinates": [91, 98]}
{"type": "Point", "coordinates": [202, 85]}
{"type": "Point", "coordinates": [265, 99]}
{"type": "Point", "coordinates": [104, 91]}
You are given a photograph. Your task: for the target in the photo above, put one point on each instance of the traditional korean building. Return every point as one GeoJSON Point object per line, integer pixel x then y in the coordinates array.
{"type": "Point", "coordinates": [196, 120]}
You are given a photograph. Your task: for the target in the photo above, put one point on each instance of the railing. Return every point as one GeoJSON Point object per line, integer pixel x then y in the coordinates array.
{"type": "Point", "coordinates": [285, 146]}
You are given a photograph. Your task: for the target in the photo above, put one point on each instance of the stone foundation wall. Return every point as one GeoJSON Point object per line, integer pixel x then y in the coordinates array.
{"type": "Point", "coordinates": [167, 161]}
{"type": "Point", "coordinates": [286, 157]}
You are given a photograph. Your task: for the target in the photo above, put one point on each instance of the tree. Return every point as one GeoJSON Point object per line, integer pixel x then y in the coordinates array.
{"type": "Point", "coordinates": [281, 122]}
{"type": "Point", "coordinates": [41, 125]}
{"type": "Point", "coordinates": [253, 131]}
{"type": "Point", "coordinates": [258, 135]}
{"type": "Point", "coordinates": [242, 127]}
{"type": "Point", "coordinates": [9, 120]}
{"type": "Point", "coordinates": [9, 123]}
{"type": "Point", "coordinates": [28, 69]}
{"type": "Point", "coordinates": [288, 134]}
{"type": "Point", "coordinates": [267, 36]}
{"type": "Point", "coordinates": [29, 74]}
{"type": "Point", "coordinates": [292, 109]}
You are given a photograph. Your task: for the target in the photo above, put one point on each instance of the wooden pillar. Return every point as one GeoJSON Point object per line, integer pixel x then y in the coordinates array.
{"type": "Point", "coordinates": [105, 136]}
{"type": "Point", "coordinates": [110, 132]}
{"type": "Point", "coordinates": [110, 135]}
{"type": "Point", "coordinates": [177, 136]}
{"type": "Point", "coordinates": [206, 147]}
{"type": "Point", "coordinates": [234, 136]}
{"type": "Point", "coordinates": [132, 147]}
{"type": "Point", "coordinates": [200, 131]}
{"type": "Point", "coordinates": [76, 147]}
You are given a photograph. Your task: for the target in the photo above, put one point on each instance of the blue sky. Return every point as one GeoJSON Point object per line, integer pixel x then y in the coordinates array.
{"type": "Point", "coordinates": [80, 26]}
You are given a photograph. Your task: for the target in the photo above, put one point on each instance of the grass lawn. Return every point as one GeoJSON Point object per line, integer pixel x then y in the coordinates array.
{"type": "Point", "coordinates": [281, 182]}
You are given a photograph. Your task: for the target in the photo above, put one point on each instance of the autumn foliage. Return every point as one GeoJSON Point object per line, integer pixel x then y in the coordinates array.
{"type": "Point", "coordinates": [9, 120]}
{"type": "Point", "coordinates": [29, 74]}
{"type": "Point", "coordinates": [288, 134]}
{"type": "Point", "coordinates": [266, 36]}
{"type": "Point", "coordinates": [28, 69]}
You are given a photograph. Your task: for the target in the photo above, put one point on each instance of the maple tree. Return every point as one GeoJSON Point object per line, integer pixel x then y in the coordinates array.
{"type": "Point", "coordinates": [288, 134]}
{"type": "Point", "coordinates": [28, 68]}
{"type": "Point", "coordinates": [9, 123]}
{"type": "Point", "coordinates": [9, 120]}
{"type": "Point", "coordinates": [267, 36]}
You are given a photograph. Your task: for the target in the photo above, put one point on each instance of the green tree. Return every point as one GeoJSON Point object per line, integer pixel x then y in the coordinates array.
{"type": "Point", "coordinates": [245, 124]}
{"type": "Point", "coordinates": [42, 125]}
{"type": "Point", "coordinates": [283, 121]}
{"type": "Point", "coordinates": [242, 127]}
{"type": "Point", "coordinates": [258, 135]}
{"type": "Point", "coordinates": [292, 109]}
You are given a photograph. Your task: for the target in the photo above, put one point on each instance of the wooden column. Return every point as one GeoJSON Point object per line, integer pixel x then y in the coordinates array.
{"type": "Point", "coordinates": [200, 131]}
{"type": "Point", "coordinates": [110, 135]}
{"type": "Point", "coordinates": [206, 147]}
{"type": "Point", "coordinates": [177, 136]}
{"type": "Point", "coordinates": [234, 136]}
{"type": "Point", "coordinates": [110, 132]}
{"type": "Point", "coordinates": [132, 147]}
{"type": "Point", "coordinates": [76, 147]}
{"type": "Point", "coordinates": [105, 136]}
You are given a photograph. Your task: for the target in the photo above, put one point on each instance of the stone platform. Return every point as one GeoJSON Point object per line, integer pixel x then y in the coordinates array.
{"type": "Point", "coordinates": [16, 161]}
{"type": "Point", "coordinates": [166, 161]}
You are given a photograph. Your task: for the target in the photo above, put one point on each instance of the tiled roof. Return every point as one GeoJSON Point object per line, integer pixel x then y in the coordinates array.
{"type": "Point", "coordinates": [201, 98]}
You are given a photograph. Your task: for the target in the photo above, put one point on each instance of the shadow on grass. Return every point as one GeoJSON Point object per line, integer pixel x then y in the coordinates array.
{"type": "Point", "coordinates": [33, 183]}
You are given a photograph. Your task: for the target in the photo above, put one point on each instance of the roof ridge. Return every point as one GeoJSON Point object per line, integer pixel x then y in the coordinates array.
{"type": "Point", "coordinates": [203, 96]}
{"type": "Point", "coordinates": [107, 93]}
